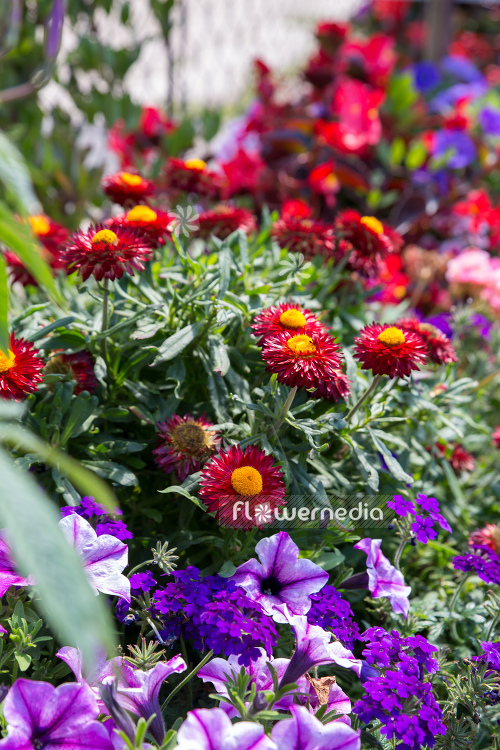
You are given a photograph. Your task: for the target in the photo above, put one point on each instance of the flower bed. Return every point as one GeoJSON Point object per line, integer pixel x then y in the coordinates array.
{"type": "Point", "coordinates": [283, 359]}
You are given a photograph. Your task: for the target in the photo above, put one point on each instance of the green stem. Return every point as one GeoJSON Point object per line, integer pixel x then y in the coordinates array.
{"type": "Point", "coordinates": [186, 679]}
{"type": "Point", "coordinates": [14, 671]}
{"type": "Point", "coordinates": [190, 684]}
{"type": "Point", "coordinates": [104, 325]}
{"type": "Point", "coordinates": [491, 629]}
{"type": "Point", "coordinates": [284, 411]}
{"type": "Point", "coordinates": [364, 396]}
{"type": "Point", "coordinates": [399, 551]}
{"type": "Point", "coordinates": [138, 567]}
{"type": "Point", "coordinates": [457, 593]}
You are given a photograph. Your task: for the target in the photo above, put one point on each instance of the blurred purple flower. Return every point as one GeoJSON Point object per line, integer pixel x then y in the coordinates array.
{"type": "Point", "coordinates": [280, 577]}
{"type": "Point", "coordinates": [426, 76]}
{"type": "Point", "coordinates": [445, 100]}
{"type": "Point", "coordinates": [103, 557]}
{"type": "Point", "coordinates": [53, 28]}
{"type": "Point", "coordinates": [8, 573]}
{"type": "Point", "coordinates": [461, 147]}
{"type": "Point", "coordinates": [461, 68]}
{"type": "Point", "coordinates": [94, 673]}
{"type": "Point", "coordinates": [305, 732]}
{"type": "Point", "coordinates": [38, 715]}
{"type": "Point", "coordinates": [482, 324]}
{"type": "Point", "coordinates": [489, 119]}
{"type": "Point", "coordinates": [383, 578]}
{"type": "Point", "coordinates": [211, 729]}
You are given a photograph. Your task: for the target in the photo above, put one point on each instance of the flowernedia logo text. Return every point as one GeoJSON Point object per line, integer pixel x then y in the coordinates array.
{"type": "Point", "coordinates": [350, 511]}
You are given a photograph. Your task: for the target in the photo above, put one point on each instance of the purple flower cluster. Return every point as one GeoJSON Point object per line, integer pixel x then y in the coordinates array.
{"type": "Point", "coordinates": [485, 563]}
{"type": "Point", "coordinates": [142, 582]}
{"type": "Point", "coordinates": [491, 653]}
{"type": "Point", "coordinates": [331, 612]}
{"type": "Point", "coordinates": [423, 525]}
{"type": "Point", "coordinates": [398, 696]}
{"type": "Point", "coordinates": [213, 613]}
{"type": "Point", "coordinates": [99, 518]}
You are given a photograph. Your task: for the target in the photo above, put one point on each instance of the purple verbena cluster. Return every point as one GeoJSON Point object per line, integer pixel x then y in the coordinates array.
{"type": "Point", "coordinates": [398, 696]}
{"type": "Point", "coordinates": [99, 518]}
{"type": "Point", "coordinates": [425, 516]}
{"type": "Point", "coordinates": [213, 613]}
{"type": "Point", "coordinates": [485, 563]}
{"type": "Point", "coordinates": [331, 612]}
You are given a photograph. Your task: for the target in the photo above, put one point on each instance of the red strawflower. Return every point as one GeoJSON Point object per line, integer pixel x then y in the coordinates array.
{"type": "Point", "coordinates": [323, 180]}
{"type": "Point", "coordinates": [223, 220]}
{"type": "Point", "coordinates": [495, 436]}
{"type": "Point", "coordinates": [357, 125]}
{"type": "Point", "coordinates": [80, 367]}
{"type": "Point", "coordinates": [387, 350]}
{"type": "Point", "coordinates": [192, 176]}
{"type": "Point", "coordinates": [20, 370]}
{"type": "Point", "coordinates": [489, 536]}
{"type": "Point", "coordinates": [366, 240]}
{"type": "Point", "coordinates": [304, 236]}
{"type": "Point", "coordinates": [51, 235]}
{"type": "Point", "coordinates": [126, 188]}
{"type": "Point", "coordinates": [312, 362]}
{"type": "Point", "coordinates": [153, 124]}
{"type": "Point", "coordinates": [106, 254]}
{"type": "Point", "coordinates": [287, 316]}
{"type": "Point", "coordinates": [238, 476]}
{"type": "Point", "coordinates": [461, 460]}
{"type": "Point", "coordinates": [295, 208]}
{"type": "Point", "coordinates": [185, 444]}
{"type": "Point", "coordinates": [440, 350]}
{"type": "Point", "coordinates": [154, 224]}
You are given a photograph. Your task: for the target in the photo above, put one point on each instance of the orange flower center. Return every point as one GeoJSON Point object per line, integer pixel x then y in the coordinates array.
{"type": "Point", "coordinates": [7, 361]}
{"type": "Point", "coordinates": [39, 225]}
{"type": "Point", "coordinates": [197, 164]}
{"type": "Point", "coordinates": [399, 292]}
{"type": "Point", "coordinates": [246, 481]}
{"type": "Point", "coordinates": [292, 319]}
{"type": "Point", "coordinates": [132, 180]}
{"type": "Point", "coordinates": [105, 236]}
{"type": "Point", "coordinates": [372, 223]}
{"type": "Point", "coordinates": [191, 437]}
{"type": "Point", "coordinates": [391, 337]}
{"type": "Point", "coordinates": [142, 213]}
{"type": "Point", "coordinates": [301, 345]}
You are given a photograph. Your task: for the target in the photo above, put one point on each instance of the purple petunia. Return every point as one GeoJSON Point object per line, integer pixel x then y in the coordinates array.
{"type": "Point", "coordinates": [383, 578]}
{"type": "Point", "coordinates": [92, 674]}
{"type": "Point", "coordinates": [38, 715]}
{"type": "Point", "coordinates": [211, 729]}
{"type": "Point", "coordinates": [303, 731]}
{"type": "Point", "coordinates": [280, 577]}
{"type": "Point", "coordinates": [8, 573]}
{"type": "Point", "coordinates": [103, 557]}
{"type": "Point", "coordinates": [100, 518]}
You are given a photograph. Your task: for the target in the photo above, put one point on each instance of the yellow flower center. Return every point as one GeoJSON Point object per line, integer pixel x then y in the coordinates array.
{"type": "Point", "coordinates": [132, 180]}
{"type": "Point", "coordinates": [197, 164]}
{"type": "Point", "coordinates": [191, 437]}
{"type": "Point", "coordinates": [39, 225]}
{"type": "Point", "coordinates": [392, 336]}
{"type": "Point", "coordinates": [7, 361]}
{"type": "Point", "coordinates": [292, 319]}
{"type": "Point", "coordinates": [301, 345]}
{"type": "Point", "coordinates": [372, 223]}
{"type": "Point", "coordinates": [106, 236]}
{"type": "Point", "coordinates": [142, 213]}
{"type": "Point", "coordinates": [399, 292]}
{"type": "Point", "coordinates": [246, 481]}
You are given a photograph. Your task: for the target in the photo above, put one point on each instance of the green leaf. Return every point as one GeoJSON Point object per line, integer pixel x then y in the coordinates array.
{"type": "Point", "coordinates": [174, 345]}
{"type": "Point", "coordinates": [114, 472]}
{"type": "Point", "coordinates": [218, 355]}
{"type": "Point", "coordinates": [16, 177]}
{"type": "Point", "coordinates": [416, 155]}
{"type": "Point", "coordinates": [4, 307]}
{"type": "Point", "coordinates": [227, 570]}
{"type": "Point", "coordinates": [178, 490]}
{"type": "Point", "coordinates": [24, 661]}
{"type": "Point", "coordinates": [393, 465]}
{"type": "Point", "coordinates": [17, 236]}
{"type": "Point", "coordinates": [67, 602]}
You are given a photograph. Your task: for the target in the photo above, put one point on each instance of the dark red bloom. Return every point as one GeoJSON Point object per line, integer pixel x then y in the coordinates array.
{"type": "Point", "coordinates": [51, 235]}
{"type": "Point", "coordinates": [495, 436]}
{"type": "Point", "coordinates": [323, 180]}
{"type": "Point", "coordinates": [20, 370]}
{"type": "Point", "coordinates": [288, 316]}
{"type": "Point", "coordinates": [375, 57]}
{"type": "Point", "coordinates": [304, 236]}
{"type": "Point", "coordinates": [242, 172]}
{"type": "Point", "coordinates": [312, 362]}
{"type": "Point", "coordinates": [461, 460]}
{"type": "Point", "coordinates": [295, 208]}
{"type": "Point", "coordinates": [192, 176]}
{"type": "Point", "coordinates": [489, 536]}
{"type": "Point", "coordinates": [80, 367]}
{"type": "Point", "coordinates": [387, 350]}
{"type": "Point", "coordinates": [236, 477]}
{"type": "Point", "coordinates": [331, 35]}
{"type": "Point", "coordinates": [366, 240]}
{"type": "Point", "coordinates": [439, 347]}
{"type": "Point", "coordinates": [153, 223]}
{"type": "Point", "coordinates": [223, 220]}
{"type": "Point", "coordinates": [106, 254]}
{"type": "Point", "coordinates": [126, 187]}
{"type": "Point", "coordinates": [185, 444]}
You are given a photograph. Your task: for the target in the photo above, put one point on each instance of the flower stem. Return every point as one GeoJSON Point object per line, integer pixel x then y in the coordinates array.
{"type": "Point", "coordinates": [457, 593]}
{"type": "Point", "coordinates": [138, 567]}
{"type": "Point", "coordinates": [186, 679]}
{"type": "Point", "coordinates": [399, 551]}
{"type": "Point", "coordinates": [364, 396]}
{"type": "Point", "coordinates": [492, 627]}
{"type": "Point", "coordinates": [104, 324]}
{"type": "Point", "coordinates": [285, 409]}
